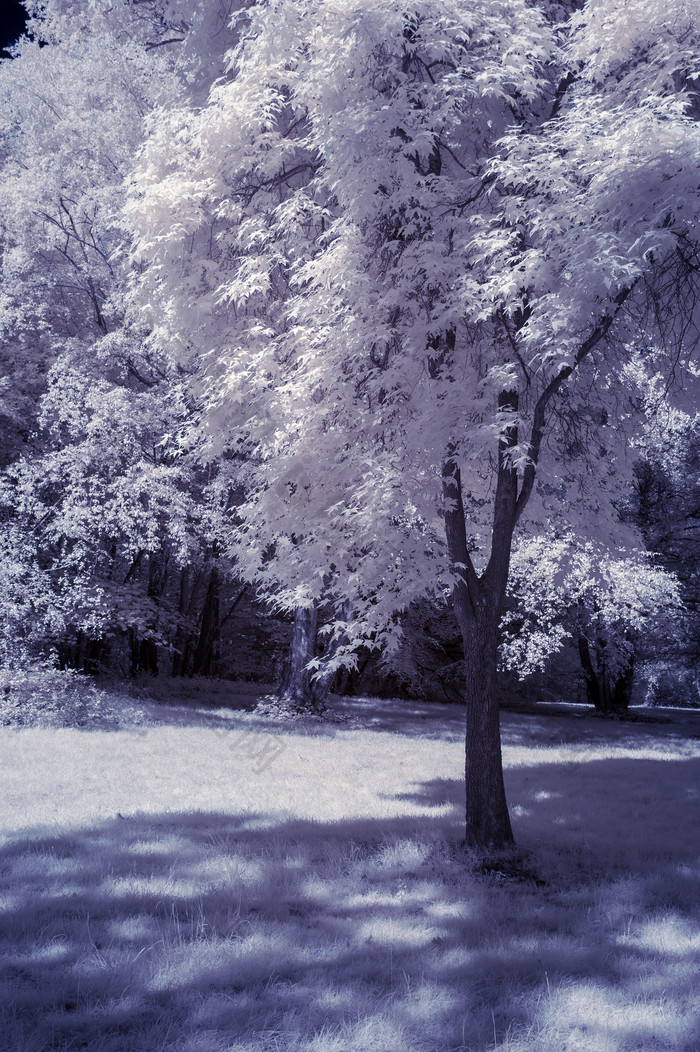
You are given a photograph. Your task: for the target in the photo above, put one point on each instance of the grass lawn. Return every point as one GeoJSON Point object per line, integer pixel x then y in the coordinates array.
{"type": "Point", "coordinates": [215, 882]}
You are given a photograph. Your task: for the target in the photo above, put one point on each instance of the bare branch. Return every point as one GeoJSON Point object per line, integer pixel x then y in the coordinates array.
{"type": "Point", "coordinates": [162, 43]}
{"type": "Point", "coordinates": [551, 390]}
{"type": "Point", "coordinates": [455, 528]}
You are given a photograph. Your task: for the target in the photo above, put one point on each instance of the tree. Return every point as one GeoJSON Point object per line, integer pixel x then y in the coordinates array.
{"type": "Point", "coordinates": [607, 603]}
{"type": "Point", "coordinates": [418, 248]}
{"type": "Point", "coordinates": [665, 505]}
{"type": "Point", "coordinates": [97, 483]}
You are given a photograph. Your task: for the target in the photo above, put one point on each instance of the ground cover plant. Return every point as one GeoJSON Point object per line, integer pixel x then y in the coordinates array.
{"type": "Point", "coordinates": [211, 881]}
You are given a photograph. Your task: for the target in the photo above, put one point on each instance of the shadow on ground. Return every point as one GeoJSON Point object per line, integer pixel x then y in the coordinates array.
{"type": "Point", "coordinates": [434, 720]}
{"type": "Point", "coordinates": [414, 719]}
{"type": "Point", "coordinates": [205, 932]}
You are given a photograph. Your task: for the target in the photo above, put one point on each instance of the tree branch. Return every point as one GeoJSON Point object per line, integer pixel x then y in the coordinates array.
{"type": "Point", "coordinates": [562, 88]}
{"type": "Point", "coordinates": [162, 43]}
{"type": "Point", "coordinates": [551, 390]}
{"type": "Point", "coordinates": [455, 527]}
{"type": "Point", "coordinates": [506, 499]}
{"type": "Point", "coordinates": [233, 606]}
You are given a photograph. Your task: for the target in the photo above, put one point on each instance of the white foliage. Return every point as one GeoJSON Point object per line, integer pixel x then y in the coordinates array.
{"type": "Point", "coordinates": [268, 252]}
{"type": "Point", "coordinates": [561, 588]}
{"type": "Point", "coordinates": [100, 484]}
{"type": "Point", "coordinates": [375, 224]}
{"type": "Point", "coordinates": [365, 181]}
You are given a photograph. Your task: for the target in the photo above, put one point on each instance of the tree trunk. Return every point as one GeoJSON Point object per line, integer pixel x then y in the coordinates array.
{"type": "Point", "coordinates": [95, 657]}
{"type": "Point", "coordinates": [622, 691]}
{"type": "Point", "coordinates": [590, 675]}
{"type": "Point", "coordinates": [610, 696]}
{"type": "Point", "coordinates": [148, 656]}
{"type": "Point", "coordinates": [157, 578]}
{"type": "Point", "coordinates": [181, 645]}
{"type": "Point", "coordinates": [487, 822]}
{"type": "Point", "coordinates": [479, 597]}
{"type": "Point", "coordinates": [204, 664]}
{"type": "Point", "coordinates": [297, 692]}
{"type": "Point", "coordinates": [478, 604]}
{"type": "Point", "coordinates": [134, 650]}
{"type": "Point", "coordinates": [327, 682]}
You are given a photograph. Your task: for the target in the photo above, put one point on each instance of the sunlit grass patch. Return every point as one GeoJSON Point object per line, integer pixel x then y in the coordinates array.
{"type": "Point", "coordinates": [322, 922]}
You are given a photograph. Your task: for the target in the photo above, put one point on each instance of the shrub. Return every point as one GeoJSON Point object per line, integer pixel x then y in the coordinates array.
{"type": "Point", "coordinates": [44, 696]}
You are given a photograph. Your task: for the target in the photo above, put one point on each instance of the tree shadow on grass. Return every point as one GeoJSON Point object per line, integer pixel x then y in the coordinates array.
{"type": "Point", "coordinates": [415, 719]}
{"type": "Point", "coordinates": [566, 725]}
{"type": "Point", "coordinates": [612, 816]}
{"type": "Point", "coordinates": [207, 932]}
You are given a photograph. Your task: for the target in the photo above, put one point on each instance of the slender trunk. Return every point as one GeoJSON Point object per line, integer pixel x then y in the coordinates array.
{"type": "Point", "coordinates": [77, 650]}
{"type": "Point", "coordinates": [89, 654]}
{"type": "Point", "coordinates": [144, 648]}
{"type": "Point", "coordinates": [590, 675]}
{"type": "Point", "coordinates": [134, 650]}
{"type": "Point", "coordinates": [180, 645]}
{"type": "Point", "coordinates": [622, 692]}
{"type": "Point", "coordinates": [479, 597]}
{"type": "Point", "coordinates": [148, 656]}
{"type": "Point", "coordinates": [297, 691]}
{"type": "Point", "coordinates": [95, 656]}
{"type": "Point", "coordinates": [204, 663]}
{"type": "Point", "coordinates": [157, 578]}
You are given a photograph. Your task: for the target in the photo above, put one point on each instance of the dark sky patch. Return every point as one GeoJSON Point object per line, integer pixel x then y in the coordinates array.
{"type": "Point", "coordinates": [12, 21]}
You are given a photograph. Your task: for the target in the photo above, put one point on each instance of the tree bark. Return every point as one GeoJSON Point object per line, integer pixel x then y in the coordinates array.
{"type": "Point", "coordinates": [610, 697]}
{"type": "Point", "coordinates": [622, 691]}
{"type": "Point", "coordinates": [157, 578]}
{"type": "Point", "coordinates": [181, 645]}
{"type": "Point", "coordinates": [487, 822]}
{"type": "Point", "coordinates": [479, 597]}
{"type": "Point", "coordinates": [204, 655]}
{"type": "Point", "coordinates": [478, 603]}
{"type": "Point", "coordinates": [590, 675]}
{"type": "Point", "coordinates": [297, 692]}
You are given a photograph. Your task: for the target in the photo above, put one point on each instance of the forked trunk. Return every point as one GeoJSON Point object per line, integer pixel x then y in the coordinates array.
{"type": "Point", "coordinates": [478, 602]}
{"type": "Point", "coordinates": [479, 596]}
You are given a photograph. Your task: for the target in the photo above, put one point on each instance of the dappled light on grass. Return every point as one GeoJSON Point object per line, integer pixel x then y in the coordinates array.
{"type": "Point", "coordinates": [303, 934]}
{"type": "Point", "coordinates": [350, 919]}
{"type": "Point", "coordinates": [596, 1017]}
